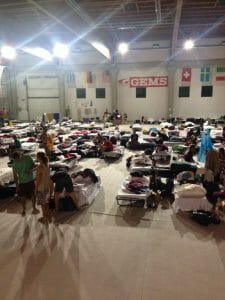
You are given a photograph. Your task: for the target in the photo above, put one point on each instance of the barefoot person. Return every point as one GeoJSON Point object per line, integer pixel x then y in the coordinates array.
{"type": "Point", "coordinates": [43, 186]}
{"type": "Point", "coordinates": [23, 166]}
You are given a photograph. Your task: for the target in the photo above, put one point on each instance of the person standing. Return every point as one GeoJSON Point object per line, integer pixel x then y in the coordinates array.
{"type": "Point", "coordinates": [23, 166]}
{"type": "Point", "coordinates": [43, 186]}
{"type": "Point", "coordinates": [106, 116]}
{"type": "Point", "coordinates": [47, 142]}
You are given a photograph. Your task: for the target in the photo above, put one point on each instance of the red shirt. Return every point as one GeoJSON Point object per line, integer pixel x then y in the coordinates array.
{"type": "Point", "coordinates": [107, 146]}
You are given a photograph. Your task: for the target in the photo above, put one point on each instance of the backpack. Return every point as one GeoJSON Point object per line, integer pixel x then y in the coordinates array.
{"type": "Point", "coordinates": [204, 218]}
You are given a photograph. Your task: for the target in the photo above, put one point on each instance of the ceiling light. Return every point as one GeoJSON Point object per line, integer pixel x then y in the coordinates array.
{"type": "Point", "coordinates": [8, 52]}
{"type": "Point", "coordinates": [39, 52]}
{"type": "Point", "coordinates": [61, 50]}
{"type": "Point", "coordinates": [123, 48]}
{"type": "Point", "coordinates": [102, 49]}
{"type": "Point", "coordinates": [189, 44]}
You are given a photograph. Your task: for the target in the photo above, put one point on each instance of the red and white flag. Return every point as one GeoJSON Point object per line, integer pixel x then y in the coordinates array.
{"type": "Point", "coordinates": [186, 75]}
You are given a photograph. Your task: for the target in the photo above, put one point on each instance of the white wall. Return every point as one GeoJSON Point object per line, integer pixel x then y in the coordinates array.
{"type": "Point", "coordinates": [156, 101]}
{"type": "Point", "coordinates": [27, 65]}
{"type": "Point", "coordinates": [81, 82]}
{"type": "Point", "coordinates": [195, 105]}
{"type": "Point", "coordinates": [37, 106]}
{"type": "Point", "coordinates": [138, 62]}
{"type": "Point", "coordinates": [201, 53]}
{"type": "Point", "coordinates": [144, 55]}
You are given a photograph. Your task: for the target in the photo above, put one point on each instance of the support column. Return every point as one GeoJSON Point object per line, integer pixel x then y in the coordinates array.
{"type": "Point", "coordinates": [61, 81]}
{"type": "Point", "coordinates": [114, 91]}
{"type": "Point", "coordinates": [12, 92]}
{"type": "Point", "coordinates": [171, 92]}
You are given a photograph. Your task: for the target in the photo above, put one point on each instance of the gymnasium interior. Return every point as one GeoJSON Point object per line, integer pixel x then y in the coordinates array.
{"type": "Point", "coordinates": [132, 93]}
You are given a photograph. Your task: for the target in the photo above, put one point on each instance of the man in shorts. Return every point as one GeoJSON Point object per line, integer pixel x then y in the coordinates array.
{"type": "Point", "coordinates": [60, 181]}
{"type": "Point", "coordinates": [23, 166]}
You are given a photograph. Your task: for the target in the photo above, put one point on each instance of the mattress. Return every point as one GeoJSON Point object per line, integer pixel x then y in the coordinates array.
{"type": "Point", "coordinates": [29, 146]}
{"type": "Point", "coordinates": [117, 152]}
{"type": "Point", "coordinates": [6, 174]}
{"type": "Point", "coordinates": [125, 197]}
{"type": "Point", "coordinates": [160, 163]}
{"type": "Point", "coordinates": [122, 195]}
{"type": "Point", "coordinates": [137, 126]}
{"type": "Point", "coordinates": [86, 193]}
{"type": "Point", "coordinates": [190, 204]}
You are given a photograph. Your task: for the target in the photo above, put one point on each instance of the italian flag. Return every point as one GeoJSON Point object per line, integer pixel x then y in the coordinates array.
{"type": "Point", "coordinates": [220, 74]}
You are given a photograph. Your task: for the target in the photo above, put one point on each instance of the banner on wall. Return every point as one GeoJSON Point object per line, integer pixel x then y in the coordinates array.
{"type": "Point", "coordinates": [70, 79]}
{"type": "Point", "coordinates": [186, 75]}
{"type": "Point", "coordinates": [89, 77]}
{"type": "Point", "coordinates": [148, 81]}
{"type": "Point", "coordinates": [220, 74]}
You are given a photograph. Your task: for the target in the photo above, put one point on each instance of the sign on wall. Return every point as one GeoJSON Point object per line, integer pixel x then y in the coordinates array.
{"type": "Point", "coordinates": [148, 81]}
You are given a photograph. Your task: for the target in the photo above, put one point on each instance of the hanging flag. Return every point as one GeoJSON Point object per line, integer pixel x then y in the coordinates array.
{"type": "Point", "coordinates": [70, 78]}
{"type": "Point", "coordinates": [186, 75]}
{"type": "Point", "coordinates": [106, 76]}
{"type": "Point", "coordinates": [89, 77]}
{"type": "Point", "coordinates": [220, 74]}
{"type": "Point", "coordinates": [205, 75]}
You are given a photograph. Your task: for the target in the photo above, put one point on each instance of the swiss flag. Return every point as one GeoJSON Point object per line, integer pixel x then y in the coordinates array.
{"type": "Point", "coordinates": [186, 74]}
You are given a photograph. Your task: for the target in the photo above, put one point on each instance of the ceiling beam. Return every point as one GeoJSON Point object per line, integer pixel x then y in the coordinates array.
{"type": "Point", "coordinates": [79, 11]}
{"type": "Point", "coordinates": [65, 25]}
{"type": "Point", "coordinates": [97, 44]}
{"type": "Point", "coordinates": [176, 26]}
{"type": "Point", "coordinates": [158, 11]}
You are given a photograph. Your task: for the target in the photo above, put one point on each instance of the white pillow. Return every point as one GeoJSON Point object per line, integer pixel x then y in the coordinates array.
{"type": "Point", "coordinates": [189, 190]}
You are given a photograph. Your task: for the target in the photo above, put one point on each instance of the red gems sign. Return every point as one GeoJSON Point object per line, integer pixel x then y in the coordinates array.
{"type": "Point", "coordinates": [152, 81]}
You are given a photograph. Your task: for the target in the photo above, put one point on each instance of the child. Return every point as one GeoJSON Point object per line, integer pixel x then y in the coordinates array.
{"type": "Point", "coordinates": [43, 186]}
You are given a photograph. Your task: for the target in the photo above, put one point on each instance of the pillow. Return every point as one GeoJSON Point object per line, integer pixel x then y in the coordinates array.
{"type": "Point", "coordinates": [189, 190]}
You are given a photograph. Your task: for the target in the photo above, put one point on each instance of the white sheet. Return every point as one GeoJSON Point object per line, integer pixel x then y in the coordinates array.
{"type": "Point", "coordinates": [189, 204]}
{"type": "Point", "coordinates": [87, 193]}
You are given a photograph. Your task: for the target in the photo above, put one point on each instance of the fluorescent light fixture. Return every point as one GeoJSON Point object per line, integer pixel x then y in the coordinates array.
{"type": "Point", "coordinates": [189, 44]}
{"type": "Point", "coordinates": [102, 49]}
{"type": "Point", "coordinates": [123, 48]}
{"type": "Point", "coordinates": [8, 52]}
{"type": "Point", "coordinates": [39, 52]}
{"type": "Point", "coordinates": [61, 50]}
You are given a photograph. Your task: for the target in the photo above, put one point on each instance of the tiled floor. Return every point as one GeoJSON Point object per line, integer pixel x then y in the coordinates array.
{"type": "Point", "coordinates": [107, 252]}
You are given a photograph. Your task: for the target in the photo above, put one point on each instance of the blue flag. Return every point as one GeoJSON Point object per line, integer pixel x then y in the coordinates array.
{"type": "Point", "coordinates": [205, 74]}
